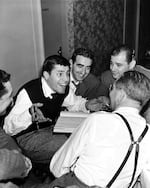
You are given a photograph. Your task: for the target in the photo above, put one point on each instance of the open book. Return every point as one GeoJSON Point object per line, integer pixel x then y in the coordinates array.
{"type": "Point", "coordinates": [68, 121]}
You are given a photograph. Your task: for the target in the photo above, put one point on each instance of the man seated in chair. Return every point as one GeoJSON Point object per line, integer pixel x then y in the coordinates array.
{"type": "Point", "coordinates": [96, 149]}
{"type": "Point", "coordinates": [13, 164]}
{"type": "Point", "coordinates": [37, 107]}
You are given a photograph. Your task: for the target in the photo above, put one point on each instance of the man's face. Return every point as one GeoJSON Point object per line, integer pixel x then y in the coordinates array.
{"type": "Point", "coordinates": [81, 67]}
{"type": "Point", "coordinates": [58, 79]}
{"type": "Point", "coordinates": [7, 99]}
{"type": "Point", "coordinates": [119, 65]}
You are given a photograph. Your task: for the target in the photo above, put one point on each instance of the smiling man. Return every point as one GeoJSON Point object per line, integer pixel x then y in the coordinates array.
{"type": "Point", "coordinates": [83, 82]}
{"type": "Point", "coordinates": [122, 60]}
{"type": "Point", "coordinates": [38, 105]}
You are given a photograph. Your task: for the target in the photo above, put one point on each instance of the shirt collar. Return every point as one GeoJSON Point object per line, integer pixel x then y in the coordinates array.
{"type": "Point", "coordinates": [73, 80]}
{"type": "Point", "coordinates": [127, 109]}
{"type": "Point", "coordinates": [46, 89]}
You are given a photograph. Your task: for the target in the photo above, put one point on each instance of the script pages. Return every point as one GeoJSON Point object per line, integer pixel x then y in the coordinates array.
{"type": "Point", "coordinates": [68, 121]}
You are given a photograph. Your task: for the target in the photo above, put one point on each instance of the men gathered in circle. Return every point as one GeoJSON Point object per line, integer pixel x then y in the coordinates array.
{"type": "Point", "coordinates": [83, 82]}
{"type": "Point", "coordinates": [96, 149]}
{"type": "Point", "coordinates": [13, 164]}
{"type": "Point", "coordinates": [37, 107]}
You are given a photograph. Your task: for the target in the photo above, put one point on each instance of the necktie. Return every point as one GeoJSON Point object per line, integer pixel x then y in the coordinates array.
{"type": "Point", "coordinates": [76, 85]}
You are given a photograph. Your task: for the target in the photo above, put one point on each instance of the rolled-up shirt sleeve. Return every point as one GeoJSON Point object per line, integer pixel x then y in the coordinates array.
{"type": "Point", "coordinates": [19, 118]}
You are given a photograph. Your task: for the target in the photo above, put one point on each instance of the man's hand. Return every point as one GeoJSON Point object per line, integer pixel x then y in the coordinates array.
{"type": "Point", "coordinates": [92, 105]}
{"type": "Point", "coordinates": [105, 100]}
{"type": "Point", "coordinates": [104, 103]}
{"type": "Point", "coordinates": [98, 104]}
{"type": "Point", "coordinates": [36, 113]}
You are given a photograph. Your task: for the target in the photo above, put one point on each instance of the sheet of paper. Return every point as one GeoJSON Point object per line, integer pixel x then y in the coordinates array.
{"type": "Point", "coordinates": [68, 121]}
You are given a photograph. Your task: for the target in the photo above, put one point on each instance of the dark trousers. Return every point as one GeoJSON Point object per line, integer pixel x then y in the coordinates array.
{"type": "Point", "coordinates": [68, 179]}
{"type": "Point", "coordinates": [40, 145]}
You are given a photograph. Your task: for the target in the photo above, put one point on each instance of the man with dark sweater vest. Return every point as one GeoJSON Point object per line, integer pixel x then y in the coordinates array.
{"type": "Point", "coordinates": [37, 107]}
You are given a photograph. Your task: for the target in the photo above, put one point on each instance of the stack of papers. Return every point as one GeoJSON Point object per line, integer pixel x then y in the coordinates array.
{"type": "Point", "coordinates": [68, 121]}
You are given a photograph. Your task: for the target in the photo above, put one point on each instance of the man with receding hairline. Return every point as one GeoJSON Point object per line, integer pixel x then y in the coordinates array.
{"type": "Point", "coordinates": [96, 150]}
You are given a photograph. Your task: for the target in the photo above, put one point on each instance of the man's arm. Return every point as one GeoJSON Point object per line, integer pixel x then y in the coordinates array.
{"type": "Point", "coordinates": [19, 118]}
{"type": "Point", "coordinates": [66, 156]}
{"type": "Point", "coordinates": [80, 104]}
{"type": "Point", "coordinates": [75, 103]}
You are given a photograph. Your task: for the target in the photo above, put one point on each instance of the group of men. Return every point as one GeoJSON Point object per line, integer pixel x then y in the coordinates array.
{"type": "Point", "coordinates": [94, 151]}
{"type": "Point", "coordinates": [40, 101]}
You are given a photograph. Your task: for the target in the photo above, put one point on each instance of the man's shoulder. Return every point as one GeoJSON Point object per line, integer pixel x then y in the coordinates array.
{"type": "Point", "coordinates": [143, 70]}
{"type": "Point", "coordinates": [91, 79]}
{"type": "Point", "coordinates": [106, 74]}
{"type": "Point", "coordinates": [107, 78]}
{"type": "Point", "coordinates": [31, 82]}
{"type": "Point", "coordinates": [107, 118]}
{"type": "Point", "coordinates": [104, 114]}
{"type": "Point", "coordinates": [28, 86]}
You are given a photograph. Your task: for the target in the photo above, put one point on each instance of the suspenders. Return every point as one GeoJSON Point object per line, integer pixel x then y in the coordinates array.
{"type": "Point", "coordinates": [133, 142]}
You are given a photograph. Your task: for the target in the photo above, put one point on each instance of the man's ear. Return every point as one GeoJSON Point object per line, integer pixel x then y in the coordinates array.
{"type": "Point", "coordinates": [71, 62]}
{"type": "Point", "coordinates": [121, 96]}
{"type": "Point", "coordinates": [132, 64]}
{"type": "Point", "coordinates": [46, 75]}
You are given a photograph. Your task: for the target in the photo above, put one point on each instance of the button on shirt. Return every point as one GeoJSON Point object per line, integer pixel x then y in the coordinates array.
{"type": "Point", "coordinates": [101, 143]}
{"type": "Point", "coordinates": [19, 118]}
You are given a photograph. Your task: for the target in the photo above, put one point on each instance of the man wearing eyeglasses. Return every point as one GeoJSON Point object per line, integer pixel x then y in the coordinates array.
{"type": "Point", "coordinates": [97, 150]}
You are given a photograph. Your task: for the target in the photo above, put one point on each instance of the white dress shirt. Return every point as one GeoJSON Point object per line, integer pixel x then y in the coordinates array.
{"type": "Point", "coordinates": [101, 143]}
{"type": "Point", "coordinates": [19, 118]}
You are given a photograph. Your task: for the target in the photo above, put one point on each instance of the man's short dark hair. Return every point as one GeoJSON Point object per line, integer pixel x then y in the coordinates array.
{"type": "Point", "coordinates": [136, 85]}
{"type": "Point", "coordinates": [4, 77]}
{"type": "Point", "coordinates": [53, 60]}
{"type": "Point", "coordinates": [130, 53]}
{"type": "Point", "coordinates": [84, 52]}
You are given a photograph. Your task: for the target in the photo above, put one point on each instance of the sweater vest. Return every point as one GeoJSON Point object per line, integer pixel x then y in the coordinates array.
{"type": "Point", "coordinates": [51, 107]}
